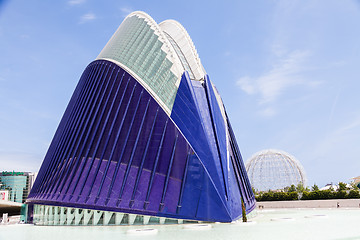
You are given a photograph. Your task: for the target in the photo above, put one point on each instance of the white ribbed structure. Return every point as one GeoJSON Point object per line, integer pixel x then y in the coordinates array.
{"type": "Point", "coordinates": [183, 43]}
{"type": "Point", "coordinates": [156, 55]}
{"type": "Point", "coordinates": [273, 169]}
{"type": "Point", "coordinates": [54, 215]}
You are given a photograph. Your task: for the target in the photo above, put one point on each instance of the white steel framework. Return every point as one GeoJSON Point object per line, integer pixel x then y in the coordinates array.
{"type": "Point", "coordinates": [273, 169]}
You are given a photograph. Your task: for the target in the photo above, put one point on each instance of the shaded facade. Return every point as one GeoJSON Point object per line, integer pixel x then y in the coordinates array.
{"type": "Point", "coordinates": [145, 133]}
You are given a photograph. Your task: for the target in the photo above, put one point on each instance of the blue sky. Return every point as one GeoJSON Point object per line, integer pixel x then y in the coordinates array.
{"type": "Point", "coordinates": [288, 72]}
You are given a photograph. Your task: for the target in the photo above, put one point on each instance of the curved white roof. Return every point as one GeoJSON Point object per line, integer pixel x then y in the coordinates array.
{"type": "Point", "coordinates": [156, 55]}
{"type": "Point", "coordinates": [167, 47]}
{"type": "Point", "coordinates": [176, 32]}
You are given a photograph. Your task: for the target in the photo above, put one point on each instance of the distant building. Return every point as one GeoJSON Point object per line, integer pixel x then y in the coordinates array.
{"type": "Point", "coordinates": [274, 170]}
{"type": "Point", "coordinates": [15, 186]}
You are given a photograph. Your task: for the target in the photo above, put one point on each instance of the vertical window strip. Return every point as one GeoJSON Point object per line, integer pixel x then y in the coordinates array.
{"type": "Point", "coordinates": [85, 118]}
{"type": "Point", "coordinates": [183, 182]}
{"type": "Point", "coordinates": [168, 174]}
{"type": "Point", "coordinates": [75, 122]}
{"type": "Point", "coordinates": [124, 145]}
{"type": "Point", "coordinates": [100, 139]}
{"type": "Point", "coordinates": [133, 149]}
{"type": "Point", "coordinates": [155, 166]}
{"type": "Point", "coordinates": [115, 143]}
{"type": "Point", "coordinates": [143, 158]}
{"type": "Point", "coordinates": [109, 136]}
{"type": "Point", "coordinates": [55, 160]}
{"type": "Point", "coordinates": [99, 116]}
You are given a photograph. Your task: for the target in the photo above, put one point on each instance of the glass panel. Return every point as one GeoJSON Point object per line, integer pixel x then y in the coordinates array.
{"type": "Point", "coordinates": [137, 46]}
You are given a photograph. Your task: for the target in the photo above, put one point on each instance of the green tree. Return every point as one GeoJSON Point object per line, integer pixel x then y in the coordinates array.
{"type": "Point", "coordinates": [292, 188]}
{"type": "Point", "coordinates": [300, 187]}
{"type": "Point", "coordinates": [354, 194]}
{"type": "Point", "coordinates": [315, 188]}
{"type": "Point", "coordinates": [342, 186]}
{"type": "Point", "coordinates": [277, 196]}
{"type": "Point", "coordinates": [354, 186]}
{"type": "Point", "coordinates": [341, 194]}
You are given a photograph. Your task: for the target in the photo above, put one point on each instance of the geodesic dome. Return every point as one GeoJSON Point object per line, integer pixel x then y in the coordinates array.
{"type": "Point", "coordinates": [273, 169]}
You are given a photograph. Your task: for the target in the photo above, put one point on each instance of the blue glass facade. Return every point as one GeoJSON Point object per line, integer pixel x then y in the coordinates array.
{"type": "Point", "coordinates": [116, 149]}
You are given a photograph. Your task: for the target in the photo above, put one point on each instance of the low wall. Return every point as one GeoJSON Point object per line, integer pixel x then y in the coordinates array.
{"type": "Point", "coordinates": [330, 203]}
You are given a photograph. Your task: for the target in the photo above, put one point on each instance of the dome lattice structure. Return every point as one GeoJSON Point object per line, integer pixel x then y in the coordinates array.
{"type": "Point", "coordinates": [274, 169]}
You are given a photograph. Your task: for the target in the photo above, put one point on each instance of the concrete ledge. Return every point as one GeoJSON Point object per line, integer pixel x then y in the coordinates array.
{"type": "Point", "coordinates": [330, 203]}
{"type": "Point", "coordinates": [13, 208]}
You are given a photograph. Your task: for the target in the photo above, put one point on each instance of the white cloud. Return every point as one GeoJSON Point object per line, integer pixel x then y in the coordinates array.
{"type": "Point", "coordinates": [87, 18]}
{"type": "Point", "coordinates": [285, 73]}
{"type": "Point", "coordinates": [76, 2]}
{"type": "Point", "coordinates": [126, 11]}
{"type": "Point", "coordinates": [246, 84]}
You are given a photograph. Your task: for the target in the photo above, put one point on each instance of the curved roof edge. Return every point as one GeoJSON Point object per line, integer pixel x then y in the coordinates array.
{"type": "Point", "coordinates": [177, 68]}
{"type": "Point", "coordinates": [179, 34]}
{"type": "Point", "coordinates": [143, 83]}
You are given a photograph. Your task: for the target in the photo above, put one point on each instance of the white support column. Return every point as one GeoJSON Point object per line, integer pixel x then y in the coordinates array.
{"type": "Point", "coordinates": [118, 218]}
{"type": "Point", "coordinates": [38, 214]}
{"type": "Point", "coordinates": [51, 215]}
{"type": "Point", "coordinates": [62, 215]}
{"type": "Point", "coordinates": [97, 216]}
{"type": "Point", "coordinates": [70, 216]}
{"type": "Point", "coordinates": [107, 217]}
{"type": "Point", "coordinates": [146, 220]}
{"type": "Point", "coordinates": [79, 213]}
{"type": "Point", "coordinates": [132, 219]}
{"type": "Point", "coordinates": [180, 221]}
{"type": "Point", "coordinates": [35, 216]}
{"type": "Point", "coordinates": [41, 214]}
{"type": "Point", "coordinates": [56, 215]}
{"type": "Point", "coordinates": [87, 216]}
{"type": "Point", "coordinates": [46, 215]}
{"type": "Point", "coordinates": [162, 220]}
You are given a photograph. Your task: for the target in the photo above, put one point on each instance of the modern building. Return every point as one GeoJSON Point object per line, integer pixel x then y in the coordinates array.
{"type": "Point", "coordinates": [16, 186]}
{"type": "Point", "coordinates": [145, 138]}
{"type": "Point", "coordinates": [272, 169]}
